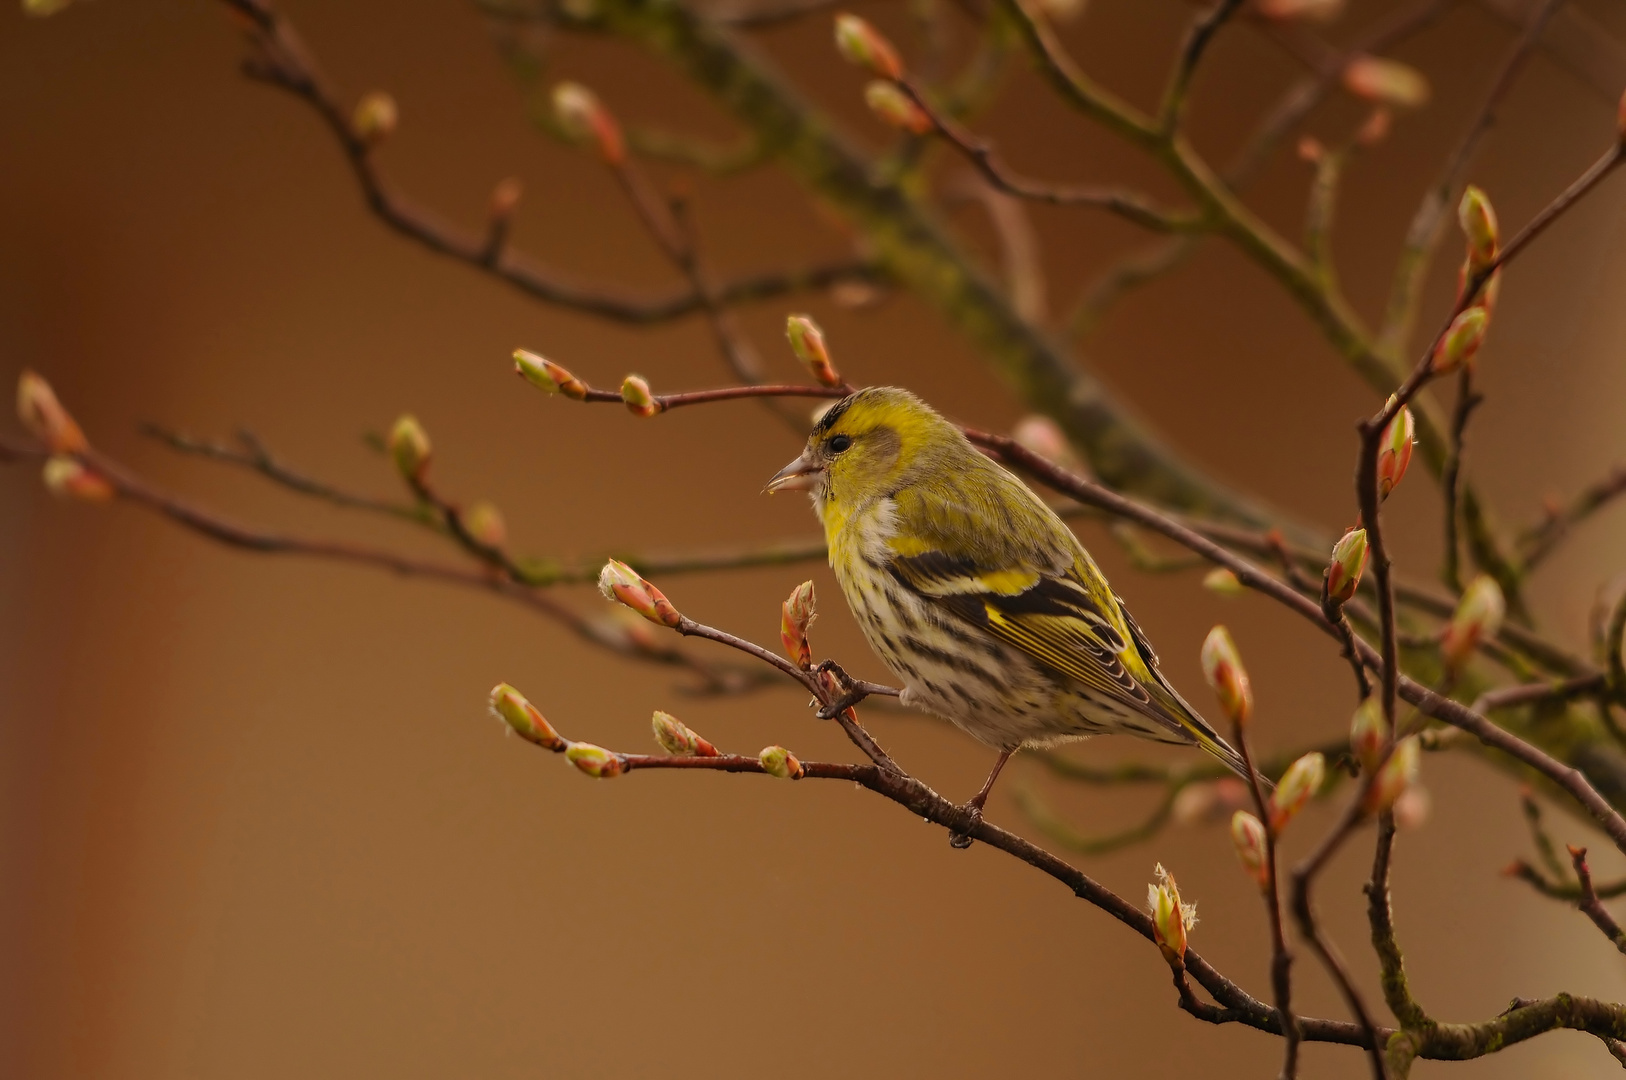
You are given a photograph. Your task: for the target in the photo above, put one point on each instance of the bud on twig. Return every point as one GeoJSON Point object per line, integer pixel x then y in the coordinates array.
{"type": "Point", "coordinates": [547, 376]}
{"type": "Point", "coordinates": [1478, 617]}
{"type": "Point", "coordinates": [1478, 221]}
{"type": "Point", "coordinates": [1222, 582]}
{"type": "Point", "coordinates": [1045, 437]}
{"type": "Point", "coordinates": [862, 44]}
{"type": "Point", "coordinates": [796, 614]}
{"type": "Point", "coordinates": [1393, 778]}
{"type": "Point", "coordinates": [1222, 666]}
{"type": "Point", "coordinates": [505, 198]}
{"type": "Point", "coordinates": [45, 418]}
{"type": "Point", "coordinates": [678, 738]}
{"type": "Point", "coordinates": [595, 761]}
{"type": "Point", "coordinates": [625, 631]}
{"type": "Point", "coordinates": [621, 583]}
{"type": "Point", "coordinates": [1394, 451]}
{"type": "Point", "coordinates": [807, 342]}
{"type": "Point", "coordinates": [409, 446]}
{"type": "Point", "coordinates": [1349, 556]}
{"type": "Point", "coordinates": [1298, 785]}
{"type": "Point", "coordinates": [69, 478]}
{"type": "Point", "coordinates": [1248, 834]}
{"type": "Point", "coordinates": [523, 718]}
{"type": "Point", "coordinates": [1461, 342]}
{"type": "Point", "coordinates": [777, 761]}
{"type": "Point", "coordinates": [1388, 82]}
{"type": "Point", "coordinates": [1411, 808]}
{"type": "Point", "coordinates": [375, 118]}
{"type": "Point", "coordinates": [484, 522]}
{"type": "Point", "coordinates": [584, 118]}
{"type": "Point", "coordinates": [1308, 10]}
{"type": "Point", "coordinates": [640, 402]}
{"type": "Point", "coordinates": [1172, 918]}
{"type": "Point", "coordinates": [1368, 733]}
{"type": "Point", "coordinates": [896, 109]}
{"type": "Point", "coordinates": [1375, 128]}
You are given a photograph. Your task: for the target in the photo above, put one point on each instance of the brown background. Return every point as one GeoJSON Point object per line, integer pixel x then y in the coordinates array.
{"type": "Point", "coordinates": [255, 822]}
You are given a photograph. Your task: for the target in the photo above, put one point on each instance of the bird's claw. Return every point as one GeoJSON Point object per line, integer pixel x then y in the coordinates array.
{"type": "Point", "coordinates": [850, 693]}
{"type": "Point", "coordinates": [961, 840]}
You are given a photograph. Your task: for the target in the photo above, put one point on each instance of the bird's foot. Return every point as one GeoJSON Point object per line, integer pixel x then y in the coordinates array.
{"type": "Point", "coordinates": [962, 840]}
{"type": "Point", "coordinates": [851, 693]}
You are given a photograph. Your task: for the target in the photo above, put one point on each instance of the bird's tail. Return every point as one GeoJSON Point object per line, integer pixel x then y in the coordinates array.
{"type": "Point", "coordinates": [1203, 734]}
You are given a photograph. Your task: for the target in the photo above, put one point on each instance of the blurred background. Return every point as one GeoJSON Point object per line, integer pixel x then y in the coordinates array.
{"type": "Point", "coordinates": [254, 819]}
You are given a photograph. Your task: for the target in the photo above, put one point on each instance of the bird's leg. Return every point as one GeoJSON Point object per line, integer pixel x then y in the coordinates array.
{"type": "Point", "coordinates": [978, 801]}
{"type": "Point", "coordinates": [852, 690]}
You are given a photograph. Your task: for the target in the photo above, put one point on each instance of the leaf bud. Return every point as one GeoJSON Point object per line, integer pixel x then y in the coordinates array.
{"type": "Point", "coordinates": [582, 117]}
{"type": "Point", "coordinates": [1478, 221]}
{"type": "Point", "coordinates": [69, 478]}
{"type": "Point", "coordinates": [796, 614]}
{"type": "Point", "coordinates": [1388, 82]}
{"type": "Point", "coordinates": [861, 44]}
{"type": "Point", "coordinates": [1208, 800]}
{"type": "Point", "coordinates": [409, 446]}
{"type": "Point", "coordinates": [1222, 582]}
{"type": "Point", "coordinates": [1044, 437]}
{"type": "Point", "coordinates": [484, 522]}
{"type": "Point", "coordinates": [678, 738]}
{"type": "Point", "coordinates": [1393, 777]}
{"type": "Point", "coordinates": [547, 376]}
{"type": "Point", "coordinates": [1478, 617]}
{"type": "Point", "coordinates": [896, 108]}
{"type": "Point", "coordinates": [1248, 835]}
{"type": "Point", "coordinates": [1308, 10]}
{"type": "Point", "coordinates": [1172, 918]}
{"type": "Point", "coordinates": [1394, 451]}
{"type": "Point", "coordinates": [1298, 785]}
{"type": "Point", "coordinates": [1368, 733]}
{"type": "Point", "coordinates": [1222, 666]}
{"type": "Point", "coordinates": [622, 584]}
{"type": "Point", "coordinates": [777, 761]}
{"type": "Point", "coordinates": [510, 706]}
{"type": "Point", "coordinates": [595, 761]}
{"type": "Point", "coordinates": [1349, 556]}
{"type": "Point", "coordinates": [1460, 344]}
{"type": "Point", "coordinates": [807, 342]}
{"type": "Point", "coordinates": [639, 401]}
{"type": "Point", "coordinates": [375, 118]}
{"type": "Point", "coordinates": [505, 198]}
{"type": "Point", "coordinates": [45, 418]}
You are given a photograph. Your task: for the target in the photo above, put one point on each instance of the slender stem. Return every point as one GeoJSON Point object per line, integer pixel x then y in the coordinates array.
{"type": "Point", "coordinates": [1396, 989]}
{"type": "Point", "coordinates": [1467, 401]}
{"type": "Point", "coordinates": [1541, 540]}
{"type": "Point", "coordinates": [1281, 958]}
{"type": "Point", "coordinates": [1202, 32]}
{"type": "Point", "coordinates": [1589, 903]}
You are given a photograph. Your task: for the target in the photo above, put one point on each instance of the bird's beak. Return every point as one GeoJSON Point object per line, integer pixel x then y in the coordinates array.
{"type": "Point", "coordinates": [800, 475]}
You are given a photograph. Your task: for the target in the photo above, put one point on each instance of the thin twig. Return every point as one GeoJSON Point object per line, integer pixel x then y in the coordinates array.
{"type": "Point", "coordinates": [1589, 903]}
{"type": "Point", "coordinates": [1539, 541]}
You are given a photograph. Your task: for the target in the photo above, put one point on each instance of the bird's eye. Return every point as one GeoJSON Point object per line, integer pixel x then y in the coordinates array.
{"type": "Point", "coordinates": [840, 443]}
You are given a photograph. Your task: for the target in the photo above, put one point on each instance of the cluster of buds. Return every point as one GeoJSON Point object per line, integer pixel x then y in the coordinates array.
{"type": "Point", "coordinates": [484, 522]}
{"type": "Point", "coordinates": [1222, 666]}
{"type": "Point", "coordinates": [510, 706]}
{"type": "Point", "coordinates": [1348, 564]}
{"type": "Point", "coordinates": [45, 418]}
{"type": "Point", "coordinates": [582, 117]}
{"type": "Point", "coordinates": [595, 761]}
{"type": "Point", "coordinates": [375, 118]}
{"type": "Point", "coordinates": [1307, 10]}
{"type": "Point", "coordinates": [547, 376]}
{"type": "Point", "coordinates": [807, 342]}
{"type": "Point", "coordinates": [1252, 846]}
{"type": "Point", "coordinates": [796, 614]}
{"type": "Point", "coordinates": [1394, 451]}
{"type": "Point", "coordinates": [639, 401]}
{"type": "Point", "coordinates": [863, 45]}
{"type": "Point", "coordinates": [622, 584]}
{"type": "Point", "coordinates": [1385, 82]}
{"type": "Point", "coordinates": [1484, 244]}
{"type": "Point", "coordinates": [897, 109]}
{"type": "Point", "coordinates": [678, 738]}
{"type": "Point", "coordinates": [1460, 343]}
{"type": "Point", "coordinates": [1172, 918]}
{"type": "Point", "coordinates": [1368, 733]}
{"type": "Point", "coordinates": [777, 761]}
{"type": "Point", "coordinates": [1394, 777]}
{"type": "Point", "coordinates": [409, 447]}
{"type": "Point", "coordinates": [1478, 617]}
{"type": "Point", "coordinates": [69, 478]}
{"type": "Point", "coordinates": [1223, 582]}
{"type": "Point", "coordinates": [1298, 786]}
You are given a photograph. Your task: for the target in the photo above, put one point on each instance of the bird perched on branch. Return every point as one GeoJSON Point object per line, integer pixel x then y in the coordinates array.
{"type": "Point", "coordinates": [976, 595]}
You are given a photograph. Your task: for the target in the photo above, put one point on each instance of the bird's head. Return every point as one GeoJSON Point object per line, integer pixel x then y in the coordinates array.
{"type": "Point", "coordinates": [865, 446]}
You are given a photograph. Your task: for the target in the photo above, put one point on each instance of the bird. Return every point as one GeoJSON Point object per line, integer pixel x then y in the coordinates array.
{"type": "Point", "coordinates": [974, 592]}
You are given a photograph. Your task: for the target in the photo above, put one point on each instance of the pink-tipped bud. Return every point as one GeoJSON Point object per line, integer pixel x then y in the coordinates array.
{"type": "Point", "coordinates": [862, 44]}
{"type": "Point", "coordinates": [69, 478]}
{"type": "Point", "coordinates": [1375, 128]}
{"type": "Point", "coordinates": [678, 738]}
{"type": "Point", "coordinates": [796, 614]}
{"type": "Point", "coordinates": [1393, 777]}
{"type": "Point", "coordinates": [639, 401]}
{"type": "Point", "coordinates": [777, 761]}
{"type": "Point", "coordinates": [622, 584]}
{"type": "Point", "coordinates": [1349, 556]}
{"type": "Point", "coordinates": [1387, 82]}
{"type": "Point", "coordinates": [1394, 451]}
{"type": "Point", "coordinates": [1307, 10]}
{"type": "Point", "coordinates": [45, 418]}
{"type": "Point", "coordinates": [523, 718]}
{"type": "Point", "coordinates": [375, 118]}
{"type": "Point", "coordinates": [1310, 150]}
{"type": "Point", "coordinates": [1248, 835]}
{"type": "Point", "coordinates": [1368, 733]}
{"type": "Point", "coordinates": [626, 631]}
{"type": "Point", "coordinates": [1222, 666]}
{"type": "Point", "coordinates": [547, 376]}
{"type": "Point", "coordinates": [1298, 786]}
{"type": "Point", "coordinates": [1478, 221]}
{"type": "Point", "coordinates": [1208, 800]}
{"type": "Point", "coordinates": [1478, 617]}
{"type": "Point", "coordinates": [1412, 807]}
{"type": "Point", "coordinates": [1461, 342]}
{"type": "Point", "coordinates": [505, 198]}
{"type": "Point", "coordinates": [409, 446]}
{"type": "Point", "coordinates": [595, 761]}
{"type": "Point", "coordinates": [896, 108]}
{"type": "Point", "coordinates": [484, 522]}
{"type": "Point", "coordinates": [807, 342]}
{"type": "Point", "coordinates": [1045, 437]}
{"type": "Point", "coordinates": [1172, 918]}
{"type": "Point", "coordinates": [582, 117]}
{"type": "Point", "coordinates": [1222, 582]}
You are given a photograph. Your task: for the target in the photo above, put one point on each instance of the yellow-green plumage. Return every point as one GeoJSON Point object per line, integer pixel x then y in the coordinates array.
{"type": "Point", "coordinates": [972, 590]}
